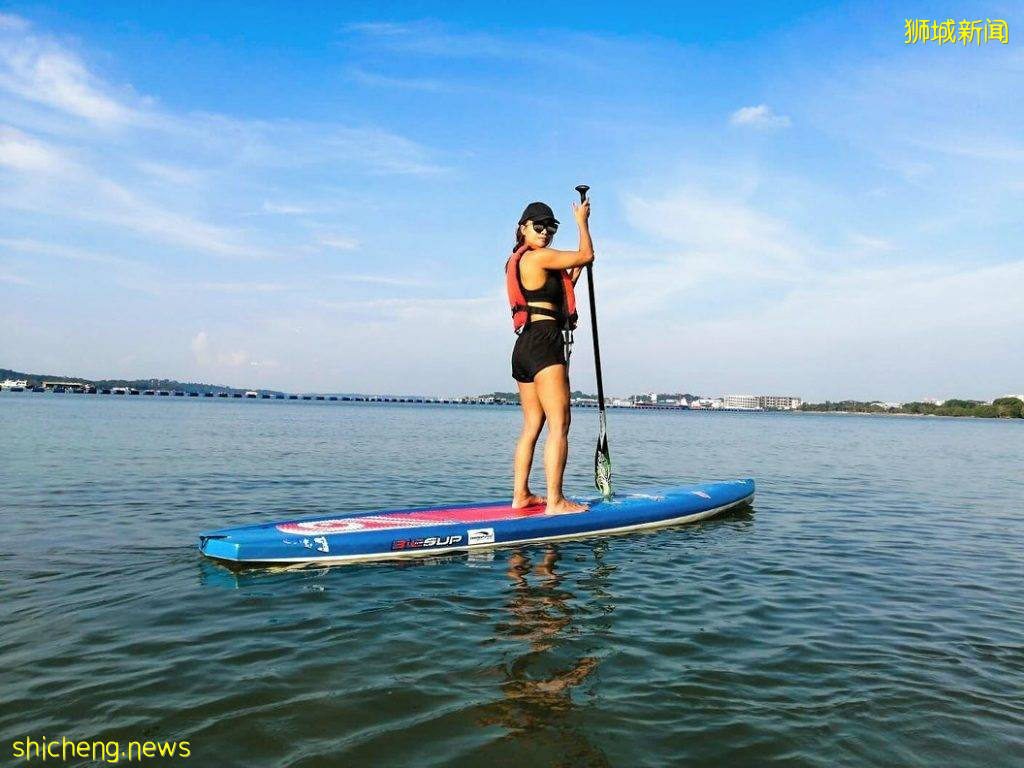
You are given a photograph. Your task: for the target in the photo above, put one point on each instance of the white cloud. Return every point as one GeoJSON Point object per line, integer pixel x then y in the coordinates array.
{"type": "Point", "coordinates": [26, 154]}
{"type": "Point", "coordinates": [41, 70]}
{"type": "Point", "coordinates": [140, 181]}
{"type": "Point", "coordinates": [760, 117]}
{"type": "Point", "coordinates": [886, 332]}
{"type": "Point", "coordinates": [872, 304]}
{"type": "Point", "coordinates": [299, 144]}
{"type": "Point", "coordinates": [55, 185]}
{"type": "Point", "coordinates": [827, 332]}
{"type": "Point", "coordinates": [218, 361]}
{"type": "Point", "coordinates": [712, 293]}
{"type": "Point", "coordinates": [725, 226]}
{"type": "Point", "coordinates": [13, 23]}
{"type": "Point", "coordinates": [200, 347]}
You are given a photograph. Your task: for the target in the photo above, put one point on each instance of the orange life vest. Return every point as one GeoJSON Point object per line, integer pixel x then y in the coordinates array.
{"type": "Point", "coordinates": [517, 301]}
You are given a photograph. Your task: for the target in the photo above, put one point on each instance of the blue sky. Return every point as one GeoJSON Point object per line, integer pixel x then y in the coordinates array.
{"type": "Point", "coordinates": [787, 198]}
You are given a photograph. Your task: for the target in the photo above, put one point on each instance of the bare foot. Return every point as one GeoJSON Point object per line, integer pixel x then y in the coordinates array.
{"type": "Point", "coordinates": [527, 500]}
{"type": "Point", "coordinates": [564, 507]}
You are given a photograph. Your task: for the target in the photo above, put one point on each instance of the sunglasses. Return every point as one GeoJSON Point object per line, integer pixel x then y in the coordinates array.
{"type": "Point", "coordinates": [540, 226]}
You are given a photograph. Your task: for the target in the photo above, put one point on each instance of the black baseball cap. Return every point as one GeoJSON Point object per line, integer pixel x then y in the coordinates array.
{"type": "Point", "coordinates": [536, 212]}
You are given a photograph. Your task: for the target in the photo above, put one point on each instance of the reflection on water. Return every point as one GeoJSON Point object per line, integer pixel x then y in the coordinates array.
{"type": "Point", "coordinates": [543, 665]}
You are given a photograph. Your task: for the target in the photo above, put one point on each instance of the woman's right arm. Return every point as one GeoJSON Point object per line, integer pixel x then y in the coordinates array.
{"type": "Point", "coordinates": [549, 258]}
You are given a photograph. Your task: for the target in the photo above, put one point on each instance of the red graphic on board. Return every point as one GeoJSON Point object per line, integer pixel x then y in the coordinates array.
{"type": "Point", "coordinates": [414, 519]}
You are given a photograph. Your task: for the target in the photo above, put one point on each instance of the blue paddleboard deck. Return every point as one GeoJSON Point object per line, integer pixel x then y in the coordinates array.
{"type": "Point", "coordinates": [400, 533]}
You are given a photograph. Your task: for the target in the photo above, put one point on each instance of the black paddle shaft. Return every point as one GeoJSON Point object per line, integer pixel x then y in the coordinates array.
{"type": "Point", "coordinates": [602, 458]}
{"type": "Point", "coordinates": [582, 189]}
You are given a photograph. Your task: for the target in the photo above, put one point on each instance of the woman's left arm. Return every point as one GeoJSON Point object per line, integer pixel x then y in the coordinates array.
{"type": "Point", "coordinates": [574, 274]}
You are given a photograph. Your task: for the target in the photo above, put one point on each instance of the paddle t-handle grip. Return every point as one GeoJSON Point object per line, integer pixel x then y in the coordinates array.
{"type": "Point", "coordinates": [582, 189]}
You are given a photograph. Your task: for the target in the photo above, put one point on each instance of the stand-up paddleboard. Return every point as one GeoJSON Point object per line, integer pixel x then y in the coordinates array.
{"type": "Point", "coordinates": [386, 535]}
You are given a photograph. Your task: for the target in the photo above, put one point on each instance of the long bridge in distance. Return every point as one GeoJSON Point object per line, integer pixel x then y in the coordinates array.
{"type": "Point", "coordinates": [84, 388]}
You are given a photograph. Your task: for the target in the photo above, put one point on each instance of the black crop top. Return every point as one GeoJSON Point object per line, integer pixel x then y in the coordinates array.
{"type": "Point", "coordinates": [550, 292]}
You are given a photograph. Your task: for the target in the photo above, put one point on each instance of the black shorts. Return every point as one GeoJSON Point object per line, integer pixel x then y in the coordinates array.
{"type": "Point", "coordinates": [539, 345]}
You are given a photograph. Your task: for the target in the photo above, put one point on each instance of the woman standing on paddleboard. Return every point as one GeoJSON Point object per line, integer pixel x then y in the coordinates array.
{"type": "Point", "coordinates": [540, 282]}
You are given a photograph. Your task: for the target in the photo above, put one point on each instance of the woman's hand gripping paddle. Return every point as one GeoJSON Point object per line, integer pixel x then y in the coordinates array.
{"type": "Point", "coordinates": [602, 459]}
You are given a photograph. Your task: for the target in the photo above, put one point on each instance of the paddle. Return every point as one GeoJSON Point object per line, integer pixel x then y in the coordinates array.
{"type": "Point", "coordinates": [602, 458]}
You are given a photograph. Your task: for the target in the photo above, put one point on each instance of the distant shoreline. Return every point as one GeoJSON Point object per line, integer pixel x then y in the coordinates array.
{"type": "Point", "coordinates": [899, 415]}
{"type": "Point", "coordinates": [465, 401]}
{"type": "Point", "coordinates": [132, 392]}
{"type": "Point", "coordinates": [1003, 407]}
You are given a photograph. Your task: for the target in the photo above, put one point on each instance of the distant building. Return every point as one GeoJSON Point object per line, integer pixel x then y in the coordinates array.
{"type": "Point", "coordinates": [743, 402]}
{"type": "Point", "coordinates": [779, 402]}
{"type": "Point", "coordinates": [704, 403]}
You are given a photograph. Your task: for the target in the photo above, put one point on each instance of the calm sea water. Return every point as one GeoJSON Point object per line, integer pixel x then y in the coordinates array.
{"type": "Point", "coordinates": [869, 609]}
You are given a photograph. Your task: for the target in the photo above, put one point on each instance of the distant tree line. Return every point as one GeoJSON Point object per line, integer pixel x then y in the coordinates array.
{"type": "Point", "coordinates": [1001, 408]}
{"type": "Point", "coordinates": [35, 379]}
